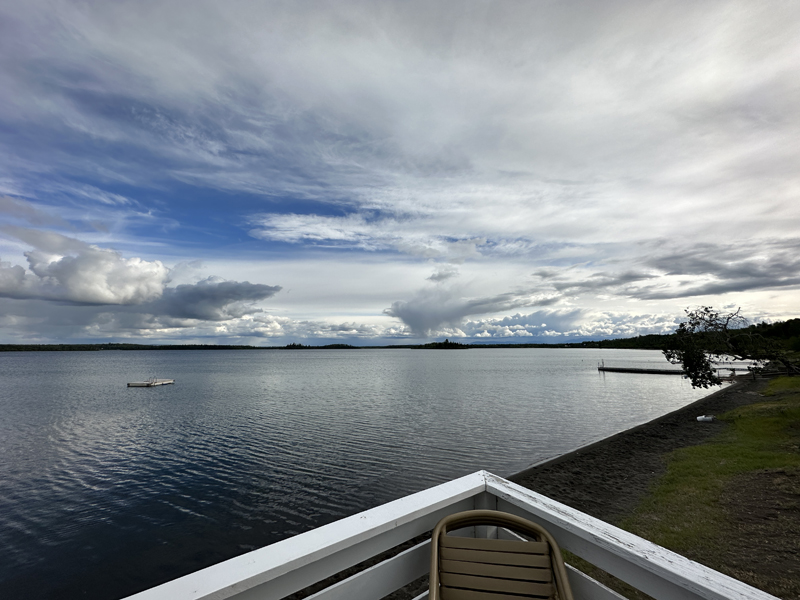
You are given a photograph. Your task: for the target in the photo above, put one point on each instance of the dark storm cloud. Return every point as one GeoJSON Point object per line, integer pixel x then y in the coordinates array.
{"type": "Point", "coordinates": [443, 273]}
{"type": "Point", "coordinates": [597, 281]}
{"type": "Point", "coordinates": [186, 310]}
{"type": "Point", "coordinates": [669, 271]}
{"type": "Point", "coordinates": [88, 290]}
{"type": "Point", "coordinates": [434, 308]}
{"type": "Point", "coordinates": [213, 299]}
{"type": "Point", "coordinates": [741, 261]}
{"type": "Point", "coordinates": [723, 269]}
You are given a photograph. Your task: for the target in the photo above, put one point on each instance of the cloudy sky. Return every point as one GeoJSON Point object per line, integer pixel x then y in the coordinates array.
{"type": "Point", "coordinates": [388, 172]}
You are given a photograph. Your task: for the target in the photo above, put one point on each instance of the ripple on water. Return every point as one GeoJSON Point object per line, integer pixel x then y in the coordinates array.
{"type": "Point", "coordinates": [126, 487]}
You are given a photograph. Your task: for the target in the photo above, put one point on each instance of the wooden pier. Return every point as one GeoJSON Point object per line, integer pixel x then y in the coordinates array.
{"type": "Point", "coordinates": [719, 370]}
{"type": "Point", "coordinates": [648, 371]}
{"type": "Point", "coordinates": [152, 382]}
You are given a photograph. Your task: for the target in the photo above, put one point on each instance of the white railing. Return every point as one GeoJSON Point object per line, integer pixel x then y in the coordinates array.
{"type": "Point", "coordinates": [285, 567]}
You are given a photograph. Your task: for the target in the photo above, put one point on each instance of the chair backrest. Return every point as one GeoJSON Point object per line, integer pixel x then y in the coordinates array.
{"type": "Point", "coordinates": [491, 569]}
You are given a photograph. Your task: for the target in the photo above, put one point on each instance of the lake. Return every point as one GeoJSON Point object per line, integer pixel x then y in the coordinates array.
{"type": "Point", "coordinates": [108, 490]}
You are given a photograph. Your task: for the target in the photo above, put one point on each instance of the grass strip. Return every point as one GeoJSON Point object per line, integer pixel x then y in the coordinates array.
{"type": "Point", "coordinates": [682, 512]}
{"type": "Point", "coordinates": [686, 510]}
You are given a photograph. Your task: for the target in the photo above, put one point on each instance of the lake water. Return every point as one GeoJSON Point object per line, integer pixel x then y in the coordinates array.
{"type": "Point", "coordinates": [107, 490]}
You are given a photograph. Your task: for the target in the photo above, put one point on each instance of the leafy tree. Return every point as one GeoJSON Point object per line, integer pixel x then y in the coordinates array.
{"type": "Point", "coordinates": [708, 336]}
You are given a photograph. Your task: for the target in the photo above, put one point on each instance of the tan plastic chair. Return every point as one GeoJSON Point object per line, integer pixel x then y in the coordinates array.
{"type": "Point", "coordinates": [489, 569]}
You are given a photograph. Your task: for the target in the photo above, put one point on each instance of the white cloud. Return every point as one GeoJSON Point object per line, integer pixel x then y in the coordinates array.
{"type": "Point", "coordinates": [635, 156]}
{"type": "Point", "coordinates": [62, 268]}
{"type": "Point", "coordinates": [407, 234]}
{"type": "Point", "coordinates": [567, 121]}
{"type": "Point", "coordinates": [92, 291]}
{"type": "Point", "coordinates": [571, 324]}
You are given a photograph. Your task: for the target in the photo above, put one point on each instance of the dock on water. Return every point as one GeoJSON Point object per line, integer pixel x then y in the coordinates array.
{"type": "Point", "coordinates": [649, 371]}
{"type": "Point", "coordinates": [152, 382]}
{"type": "Point", "coordinates": [719, 370]}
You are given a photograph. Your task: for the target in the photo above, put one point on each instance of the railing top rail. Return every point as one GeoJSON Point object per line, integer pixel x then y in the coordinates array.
{"type": "Point", "coordinates": [293, 563]}
{"type": "Point", "coordinates": [241, 573]}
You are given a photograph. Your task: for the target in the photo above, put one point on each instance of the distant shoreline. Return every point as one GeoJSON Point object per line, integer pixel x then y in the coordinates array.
{"type": "Point", "coordinates": [649, 342]}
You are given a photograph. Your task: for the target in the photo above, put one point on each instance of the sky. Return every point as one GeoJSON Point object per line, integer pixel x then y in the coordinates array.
{"type": "Point", "coordinates": [266, 173]}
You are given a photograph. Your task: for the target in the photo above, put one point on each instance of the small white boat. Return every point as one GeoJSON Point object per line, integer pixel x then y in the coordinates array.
{"type": "Point", "coordinates": [152, 382]}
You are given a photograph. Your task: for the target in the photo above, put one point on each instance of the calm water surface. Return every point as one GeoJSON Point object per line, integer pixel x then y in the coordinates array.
{"type": "Point", "coordinates": [107, 490]}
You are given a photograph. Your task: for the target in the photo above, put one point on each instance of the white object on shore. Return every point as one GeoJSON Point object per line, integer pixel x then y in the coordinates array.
{"type": "Point", "coordinates": [705, 418]}
{"type": "Point", "coordinates": [152, 382]}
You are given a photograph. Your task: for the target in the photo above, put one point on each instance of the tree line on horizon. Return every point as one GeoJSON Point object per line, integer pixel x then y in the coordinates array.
{"type": "Point", "coordinates": [783, 334]}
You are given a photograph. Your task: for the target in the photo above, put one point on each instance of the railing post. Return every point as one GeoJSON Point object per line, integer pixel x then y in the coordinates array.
{"type": "Point", "coordinates": [486, 501]}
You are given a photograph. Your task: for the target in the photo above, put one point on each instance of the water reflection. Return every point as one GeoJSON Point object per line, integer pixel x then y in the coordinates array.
{"type": "Point", "coordinates": [107, 490]}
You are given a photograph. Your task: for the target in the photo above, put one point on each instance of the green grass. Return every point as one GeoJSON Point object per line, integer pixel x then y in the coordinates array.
{"type": "Point", "coordinates": [782, 384]}
{"type": "Point", "coordinates": [682, 513]}
{"type": "Point", "coordinates": [683, 510]}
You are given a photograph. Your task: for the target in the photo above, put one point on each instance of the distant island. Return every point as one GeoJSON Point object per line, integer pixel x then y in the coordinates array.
{"type": "Point", "coordinates": [788, 332]}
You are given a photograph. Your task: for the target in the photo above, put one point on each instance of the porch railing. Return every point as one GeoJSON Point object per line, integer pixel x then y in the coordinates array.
{"type": "Point", "coordinates": [275, 571]}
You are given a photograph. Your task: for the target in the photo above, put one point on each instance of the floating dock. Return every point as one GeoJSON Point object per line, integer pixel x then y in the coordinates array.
{"type": "Point", "coordinates": [153, 382]}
